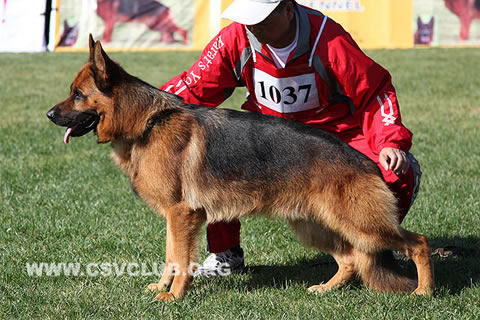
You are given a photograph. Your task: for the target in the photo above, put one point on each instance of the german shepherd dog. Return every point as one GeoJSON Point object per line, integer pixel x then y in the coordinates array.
{"type": "Point", "coordinates": [195, 164]}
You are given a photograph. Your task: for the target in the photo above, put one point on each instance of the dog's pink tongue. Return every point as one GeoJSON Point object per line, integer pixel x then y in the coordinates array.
{"type": "Point", "coordinates": [67, 135]}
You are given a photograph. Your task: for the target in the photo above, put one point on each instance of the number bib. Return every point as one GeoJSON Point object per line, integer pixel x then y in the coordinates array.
{"type": "Point", "coordinates": [288, 94]}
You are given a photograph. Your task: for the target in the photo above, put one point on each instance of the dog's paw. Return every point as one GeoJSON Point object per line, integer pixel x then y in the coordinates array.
{"type": "Point", "coordinates": [165, 296]}
{"type": "Point", "coordinates": [426, 292]}
{"type": "Point", "coordinates": [317, 289]}
{"type": "Point", "coordinates": [156, 287]}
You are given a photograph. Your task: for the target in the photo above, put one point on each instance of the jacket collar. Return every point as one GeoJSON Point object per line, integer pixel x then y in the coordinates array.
{"type": "Point", "coordinates": [303, 45]}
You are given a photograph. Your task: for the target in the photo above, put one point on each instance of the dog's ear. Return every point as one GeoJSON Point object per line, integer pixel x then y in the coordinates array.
{"type": "Point", "coordinates": [102, 65]}
{"type": "Point", "coordinates": [91, 45]}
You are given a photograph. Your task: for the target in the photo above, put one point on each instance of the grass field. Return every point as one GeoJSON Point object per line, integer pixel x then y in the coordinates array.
{"type": "Point", "coordinates": [68, 203]}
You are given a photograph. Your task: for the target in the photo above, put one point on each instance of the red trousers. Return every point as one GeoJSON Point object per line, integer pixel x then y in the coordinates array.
{"type": "Point", "coordinates": [222, 236]}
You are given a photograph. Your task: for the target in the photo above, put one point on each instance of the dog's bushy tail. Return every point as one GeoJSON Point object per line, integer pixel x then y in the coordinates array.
{"type": "Point", "coordinates": [381, 272]}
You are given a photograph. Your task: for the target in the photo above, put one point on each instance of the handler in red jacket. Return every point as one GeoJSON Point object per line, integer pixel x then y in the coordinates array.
{"type": "Point", "coordinates": [299, 64]}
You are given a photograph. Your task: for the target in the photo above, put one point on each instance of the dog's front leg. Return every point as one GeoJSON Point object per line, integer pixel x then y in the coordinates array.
{"type": "Point", "coordinates": [183, 226]}
{"type": "Point", "coordinates": [169, 270]}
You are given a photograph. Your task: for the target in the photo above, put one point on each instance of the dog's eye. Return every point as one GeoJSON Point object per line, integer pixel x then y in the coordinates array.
{"type": "Point", "coordinates": [77, 94]}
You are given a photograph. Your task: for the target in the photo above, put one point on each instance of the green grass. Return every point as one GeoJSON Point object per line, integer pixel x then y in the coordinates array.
{"type": "Point", "coordinates": [63, 203]}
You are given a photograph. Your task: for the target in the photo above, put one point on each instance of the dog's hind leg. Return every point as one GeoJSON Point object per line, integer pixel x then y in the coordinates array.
{"type": "Point", "coordinates": [317, 236]}
{"type": "Point", "coordinates": [378, 269]}
{"type": "Point", "coordinates": [364, 213]}
{"type": "Point", "coordinates": [345, 273]}
{"type": "Point", "coordinates": [183, 226]}
{"type": "Point", "coordinates": [417, 248]}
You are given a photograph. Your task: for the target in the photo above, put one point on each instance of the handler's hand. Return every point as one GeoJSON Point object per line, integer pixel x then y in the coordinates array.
{"type": "Point", "coordinates": [395, 160]}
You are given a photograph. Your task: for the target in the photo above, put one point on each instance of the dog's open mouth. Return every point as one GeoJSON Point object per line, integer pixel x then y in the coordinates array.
{"type": "Point", "coordinates": [84, 123]}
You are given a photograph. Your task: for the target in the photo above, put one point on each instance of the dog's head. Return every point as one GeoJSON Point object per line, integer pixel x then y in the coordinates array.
{"type": "Point", "coordinates": [424, 33]}
{"type": "Point", "coordinates": [89, 105]}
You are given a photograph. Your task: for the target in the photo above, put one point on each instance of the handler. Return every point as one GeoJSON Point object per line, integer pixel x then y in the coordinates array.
{"type": "Point", "coordinates": [299, 64]}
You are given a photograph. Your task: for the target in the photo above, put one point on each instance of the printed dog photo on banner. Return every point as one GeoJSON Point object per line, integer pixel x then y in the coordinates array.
{"type": "Point", "coordinates": [124, 24]}
{"type": "Point", "coordinates": [424, 32]}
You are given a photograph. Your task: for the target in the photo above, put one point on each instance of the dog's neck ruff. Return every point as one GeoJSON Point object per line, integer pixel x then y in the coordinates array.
{"type": "Point", "coordinates": [155, 120]}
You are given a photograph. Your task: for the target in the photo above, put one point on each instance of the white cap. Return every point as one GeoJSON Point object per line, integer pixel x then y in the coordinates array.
{"type": "Point", "coordinates": [250, 12]}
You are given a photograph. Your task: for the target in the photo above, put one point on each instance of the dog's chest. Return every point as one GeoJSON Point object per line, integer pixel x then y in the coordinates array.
{"type": "Point", "coordinates": [122, 157]}
{"type": "Point", "coordinates": [147, 175]}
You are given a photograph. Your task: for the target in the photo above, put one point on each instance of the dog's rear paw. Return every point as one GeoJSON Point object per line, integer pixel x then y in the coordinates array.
{"type": "Point", "coordinates": [165, 296]}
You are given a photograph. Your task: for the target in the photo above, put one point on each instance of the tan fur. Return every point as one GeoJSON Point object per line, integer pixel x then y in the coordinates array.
{"type": "Point", "coordinates": [330, 207]}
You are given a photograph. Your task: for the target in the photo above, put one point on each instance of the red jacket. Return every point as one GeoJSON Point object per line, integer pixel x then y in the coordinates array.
{"type": "Point", "coordinates": [328, 82]}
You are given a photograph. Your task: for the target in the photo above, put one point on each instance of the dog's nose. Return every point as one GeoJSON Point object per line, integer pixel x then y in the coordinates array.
{"type": "Point", "coordinates": [51, 114]}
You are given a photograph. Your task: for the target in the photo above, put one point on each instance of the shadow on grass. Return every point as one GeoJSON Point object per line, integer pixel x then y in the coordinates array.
{"type": "Point", "coordinates": [453, 274]}
{"type": "Point", "coordinates": [305, 272]}
{"type": "Point", "coordinates": [456, 273]}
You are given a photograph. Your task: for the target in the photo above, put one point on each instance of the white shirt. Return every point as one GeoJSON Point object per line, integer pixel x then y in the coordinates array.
{"type": "Point", "coordinates": [280, 55]}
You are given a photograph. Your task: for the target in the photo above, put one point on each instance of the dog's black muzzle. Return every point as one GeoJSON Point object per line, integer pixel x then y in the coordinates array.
{"type": "Point", "coordinates": [78, 123]}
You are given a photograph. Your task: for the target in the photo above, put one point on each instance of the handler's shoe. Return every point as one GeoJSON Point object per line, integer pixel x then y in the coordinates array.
{"type": "Point", "coordinates": [222, 264]}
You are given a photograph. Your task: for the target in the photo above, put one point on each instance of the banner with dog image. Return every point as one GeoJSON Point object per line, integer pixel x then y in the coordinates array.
{"type": "Point", "coordinates": [190, 24]}
{"type": "Point", "coordinates": [446, 22]}
{"type": "Point", "coordinates": [127, 24]}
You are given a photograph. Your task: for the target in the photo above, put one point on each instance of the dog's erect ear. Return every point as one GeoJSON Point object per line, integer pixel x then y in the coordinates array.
{"type": "Point", "coordinates": [91, 45]}
{"type": "Point", "coordinates": [102, 66]}
{"type": "Point", "coordinates": [99, 58]}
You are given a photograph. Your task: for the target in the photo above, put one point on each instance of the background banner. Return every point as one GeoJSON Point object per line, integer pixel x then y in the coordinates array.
{"type": "Point", "coordinates": [127, 24]}
{"type": "Point", "coordinates": [190, 24]}
{"type": "Point", "coordinates": [64, 25]}
{"type": "Point", "coordinates": [447, 22]}
{"type": "Point", "coordinates": [372, 23]}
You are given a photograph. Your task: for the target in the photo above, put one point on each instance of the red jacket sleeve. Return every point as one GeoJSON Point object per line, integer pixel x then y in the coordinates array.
{"type": "Point", "coordinates": [370, 87]}
{"type": "Point", "coordinates": [210, 80]}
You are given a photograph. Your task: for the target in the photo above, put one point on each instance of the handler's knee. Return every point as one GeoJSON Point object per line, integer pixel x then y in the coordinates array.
{"type": "Point", "coordinates": [406, 187]}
